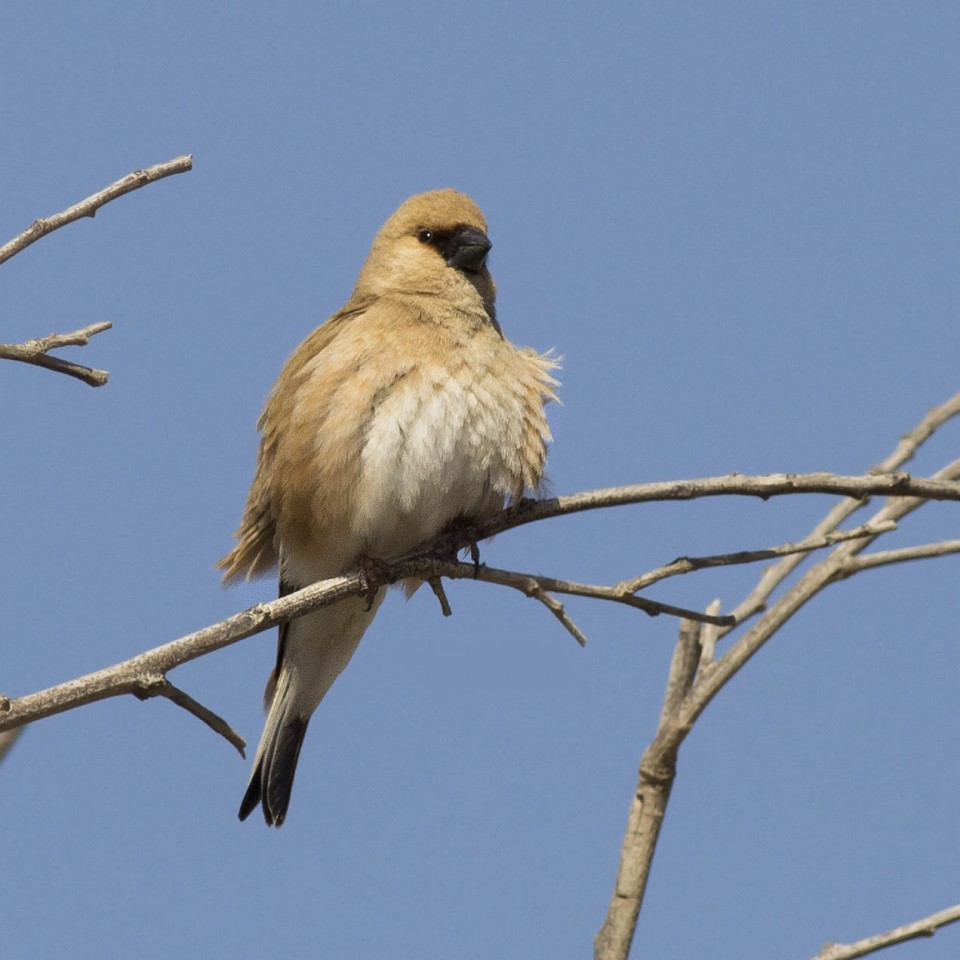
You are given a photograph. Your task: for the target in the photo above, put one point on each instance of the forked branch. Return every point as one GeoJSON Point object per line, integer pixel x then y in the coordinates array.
{"type": "Point", "coordinates": [684, 703]}
{"type": "Point", "coordinates": [37, 351]}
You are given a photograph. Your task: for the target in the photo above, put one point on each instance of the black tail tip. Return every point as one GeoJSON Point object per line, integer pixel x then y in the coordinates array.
{"type": "Point", "coordinates": [252, 797]}
{"type": "Point", "coordinates": [271, 782]}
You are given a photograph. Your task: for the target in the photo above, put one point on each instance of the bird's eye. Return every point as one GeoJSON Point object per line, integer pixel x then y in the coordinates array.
{"type": "Point", "coordinates": [425, 236]}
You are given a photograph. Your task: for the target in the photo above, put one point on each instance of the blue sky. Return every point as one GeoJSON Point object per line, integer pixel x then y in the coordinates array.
{"type": "Point", "coordinates": [737, 222]}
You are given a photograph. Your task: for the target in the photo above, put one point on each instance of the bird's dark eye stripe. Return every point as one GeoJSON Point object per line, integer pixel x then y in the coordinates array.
{"type": "Point", "coordinates": [438, 239]}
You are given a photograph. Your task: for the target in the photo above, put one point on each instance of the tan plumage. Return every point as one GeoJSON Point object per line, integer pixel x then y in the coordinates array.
{"type": "Point", "coordinates": [405, 411]}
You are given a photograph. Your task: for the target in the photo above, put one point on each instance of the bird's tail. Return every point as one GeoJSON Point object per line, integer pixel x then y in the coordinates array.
{"type": "Point", "coordinates": [276, 763]}
{"type": "Point", "coordinates": [312, 652]}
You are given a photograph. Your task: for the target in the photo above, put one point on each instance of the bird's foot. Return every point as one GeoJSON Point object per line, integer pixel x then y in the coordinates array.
{"type": "Point", "coordinates": [372, 573]}
{"type": "Point", "coordinates": [461, 534]}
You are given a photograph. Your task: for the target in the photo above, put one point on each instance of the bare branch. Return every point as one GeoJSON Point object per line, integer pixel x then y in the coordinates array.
{"type": "Point", "coordinates": [138, 673]}
{"type": "Point", "coordinates": [709, 635]}
{"type": "Point", "coordinates": [904, 452]}
{"type": "Point", "coordinates": [911, 441]}
{"type": "Point", "coordinates": [530, 583]}
{"type": "Point", "coordinates": [556, 608]}
{"type": "Point", "coordinates": [658, 768]}
{"type": "Point", "coordinates": [831, 569]}
{"type": "Point", "coordinates": [160, 686]}
{"type": "Point", "coordinates": [141, 673]}
{"type": "Point", "coordinates": [689, 564]}
{"type": "Point", "coordinates": [658, 764]}
{"type": "Point", "coordinates": [89, 206]}
{"type": "Point", "coordinates": [683, 669]}
{"type": "Point", "coordinates": [36, 352]}
{"type": "Point", "coordinates": [213, 721]}
{"type": "Point", "coordinates": [926, 927]}
{"type": "Point", "coordinates": [130, 675]}
{"type": "Point", "coordinates": [883, 558]}
{"type": "Point", "coordinates": [436, 585]}
{"type": "Point", "coordinates": [763, 486]}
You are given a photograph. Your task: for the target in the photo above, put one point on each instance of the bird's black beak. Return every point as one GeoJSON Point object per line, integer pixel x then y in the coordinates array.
{"type": "Point", "coordinates": [468, 248]}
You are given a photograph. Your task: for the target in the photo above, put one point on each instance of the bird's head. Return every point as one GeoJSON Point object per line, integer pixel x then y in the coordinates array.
{"type": "Point", "coordinates": [435, 244]}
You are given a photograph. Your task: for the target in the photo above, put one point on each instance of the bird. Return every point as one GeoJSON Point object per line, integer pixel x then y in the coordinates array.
{"type": "Point", "coordinates": [405, 413]}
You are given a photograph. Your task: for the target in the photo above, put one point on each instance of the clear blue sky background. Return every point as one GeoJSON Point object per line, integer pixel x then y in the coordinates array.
{"type": "Point", "coordinates": [738, 222]}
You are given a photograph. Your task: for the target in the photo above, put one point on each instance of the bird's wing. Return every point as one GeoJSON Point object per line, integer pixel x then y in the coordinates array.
{"type": "Point", "coordinates": [255, 553]}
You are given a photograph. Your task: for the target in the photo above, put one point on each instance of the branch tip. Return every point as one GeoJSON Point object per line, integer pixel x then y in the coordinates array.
{"type": "Point", "coordinates": [436, 585]}
{"type": "Point", "coordinates": [36, 352]}
{"type": "Point", "coordinates": [43, 226]}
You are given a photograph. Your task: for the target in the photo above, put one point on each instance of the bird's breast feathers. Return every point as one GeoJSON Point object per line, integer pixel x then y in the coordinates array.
{"type": "Point", "coordinates": [405, 427]}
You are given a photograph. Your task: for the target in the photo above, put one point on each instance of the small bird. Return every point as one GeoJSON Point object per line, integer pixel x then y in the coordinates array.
{"type": "Point", "coordinates": [407, 412]}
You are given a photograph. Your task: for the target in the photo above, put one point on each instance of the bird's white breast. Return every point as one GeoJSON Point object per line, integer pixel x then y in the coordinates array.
{"type": "Point", "coordinates": [441, 444]}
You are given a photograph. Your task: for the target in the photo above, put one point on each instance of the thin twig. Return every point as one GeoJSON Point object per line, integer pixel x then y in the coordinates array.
{"type": "Point", "coordinates": [709, 635]}
{"type": "Point", "coordinates": [523, 582]}
{"type": "Point", "coordinates": [911, 441]}
{"type": "Point", "coordinates": [89, 206]}
{"type": "Point", "coordinates": [36, 352]}
{"type": "Point", "coordinates": [820, 575]}
{"type": "Point", "coordinates": [436, 585]}
{"type": "Point", "coordinates": [556, 608]}
{"type": "Point", "coordinates": [926, 927]}
{"type": "Point", "coordinates": [689, 564]}
{"type": "Point", "coordinates": [904, 452]}
{"type": "Point", "coordinates": [216, 723]}
{"type": "Point", "coordinates": [883, 558]}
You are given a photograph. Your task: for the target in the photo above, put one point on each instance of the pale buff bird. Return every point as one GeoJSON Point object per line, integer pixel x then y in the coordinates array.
{"type": "Point", "coordinates": [406, 411]}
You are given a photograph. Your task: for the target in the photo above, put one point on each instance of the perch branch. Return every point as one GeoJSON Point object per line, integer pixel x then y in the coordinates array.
{"type": "Point", "coordinates": [131, 675]}
{"type": "Point", "coordinates": [145, 671]}
{"type": "Point", "coordinates": [763, 486]}
{"type": "Point", "coordinates": [138, 673]}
